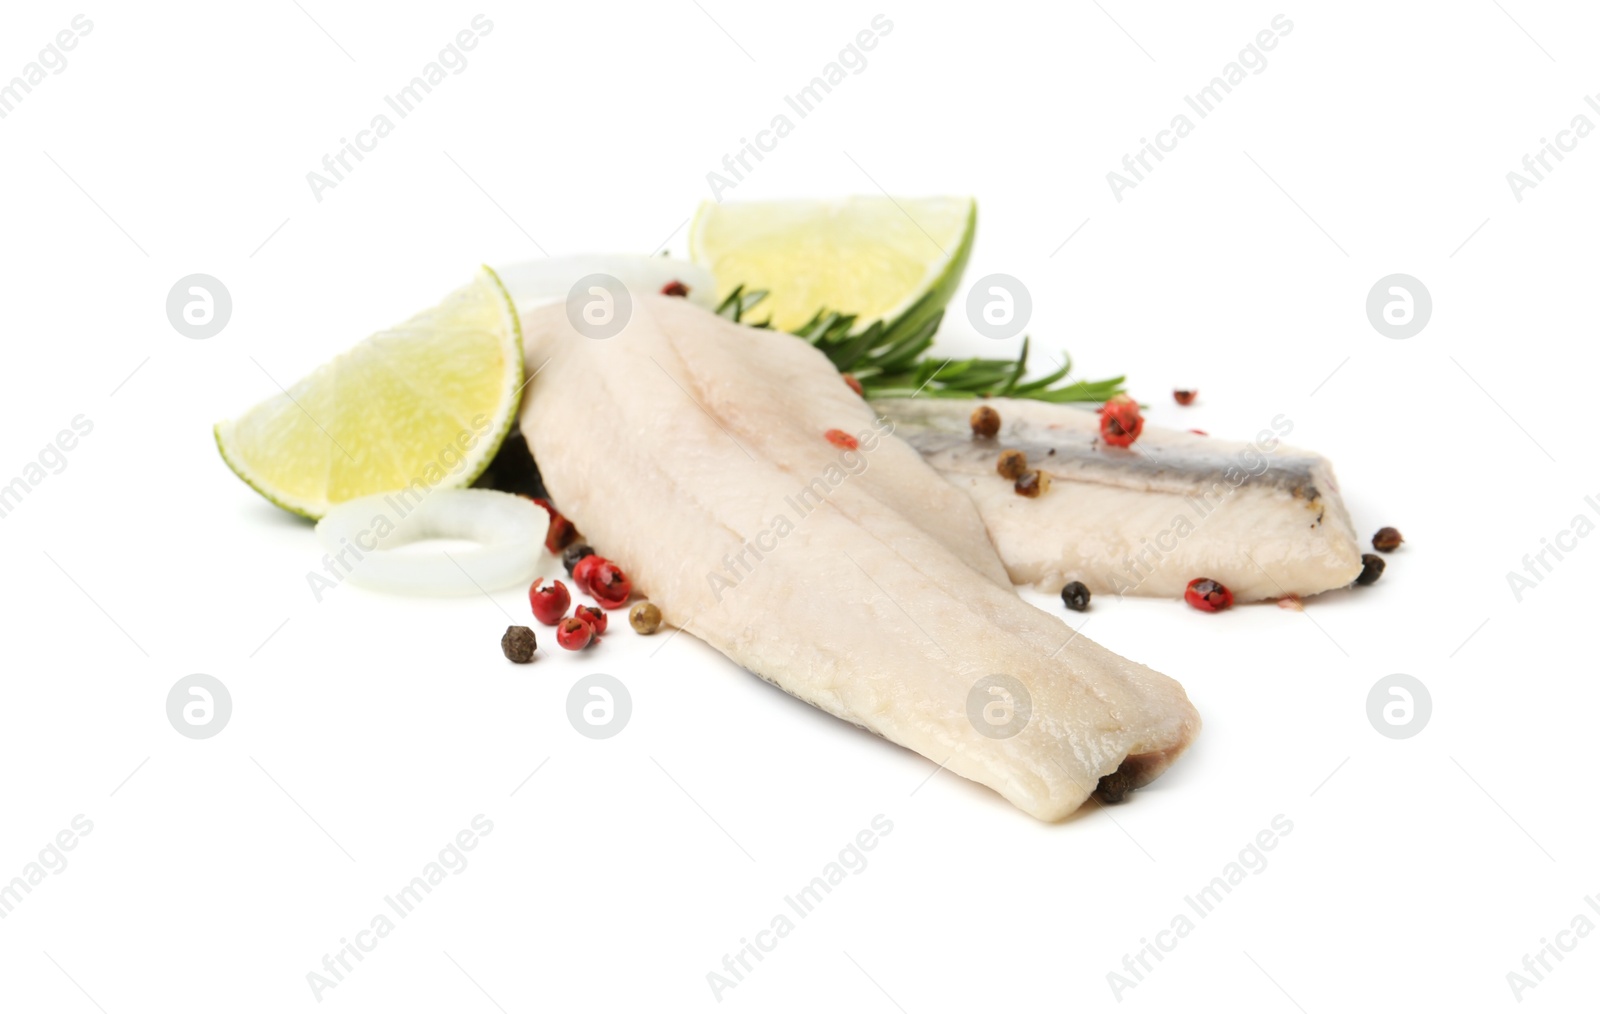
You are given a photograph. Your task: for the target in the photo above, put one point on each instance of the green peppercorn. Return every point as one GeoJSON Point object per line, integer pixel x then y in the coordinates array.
{"type": "Point", "coordinates": [645, 617]}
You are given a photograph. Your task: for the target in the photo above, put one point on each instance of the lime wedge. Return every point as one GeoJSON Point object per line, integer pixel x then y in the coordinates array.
{"type": "Point", "coordinates": [422, 405]}
{"type": "Point", "coordinates": [874, 257]}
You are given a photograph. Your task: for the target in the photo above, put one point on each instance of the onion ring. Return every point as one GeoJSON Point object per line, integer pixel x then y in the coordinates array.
{"type": "Point", "coordinates": [364, 536]}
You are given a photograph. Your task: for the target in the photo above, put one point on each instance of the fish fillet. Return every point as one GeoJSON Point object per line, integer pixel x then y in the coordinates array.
{"type": "Point", "coordinates": [1262, 518]}
{"type": "Point", "coordinates": [692, 451]}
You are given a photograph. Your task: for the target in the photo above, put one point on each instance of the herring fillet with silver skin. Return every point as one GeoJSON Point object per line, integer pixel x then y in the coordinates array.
{"type": "Point", "coordinates": [1264, 519]}
{"type": "Point", "coordinates": [692, 451]}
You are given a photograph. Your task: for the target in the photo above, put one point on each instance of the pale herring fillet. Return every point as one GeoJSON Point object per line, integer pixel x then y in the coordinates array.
{"type": "Point", "coordinates": [1264, 519]}
{"type": "Point", "coordinates": [685, 440]}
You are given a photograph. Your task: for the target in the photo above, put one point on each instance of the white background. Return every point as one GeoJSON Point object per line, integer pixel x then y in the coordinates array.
{"type": "Point", "coordinates": [368, 730]}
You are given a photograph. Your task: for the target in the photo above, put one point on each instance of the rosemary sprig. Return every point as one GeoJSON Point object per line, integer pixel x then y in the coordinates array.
{"type": "Point", "coordinates": [893, 362]}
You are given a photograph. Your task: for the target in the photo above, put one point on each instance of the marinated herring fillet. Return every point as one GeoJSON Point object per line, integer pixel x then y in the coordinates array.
{"type": "Point", "coordinates": [859, 581]}
{"type": "Point", "coordinates": [1264, 519]}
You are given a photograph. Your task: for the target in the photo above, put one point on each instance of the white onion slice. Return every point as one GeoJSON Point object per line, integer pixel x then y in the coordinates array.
{"type": "Point", "coordinates": [535, 283]}
{"type": "Point", "coordinates": [508, 532]}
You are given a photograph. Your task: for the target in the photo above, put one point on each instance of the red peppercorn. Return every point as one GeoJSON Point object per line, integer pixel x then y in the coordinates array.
{"type": "Point", "coordinates": [839, 438]}
{"type": "Point", "coordinates": [1183, 397]}
{"type": "Point", "coordinates": [583, 571]}
{"type": "Point", "coordinates": [855, 385]}
{"type": "Point", "coordinates": [1207, 595]}
{"type": "Point", "coordinates": [595, 617]}
{"type": "Point", "coordinates": [561, 531]}
{"type": "Point", "coordinates": [549, 601]}
{"type": "Point", "coordinates": [1120, 421]}
{"type": "Point", "coordinates": [610, 586]}
{"type": "Point", "coordinates": [575, 633]}
{"type": "Point", "coordinates": [1200, 433]}
{"type": "Point", "coordinates": [674, 288]}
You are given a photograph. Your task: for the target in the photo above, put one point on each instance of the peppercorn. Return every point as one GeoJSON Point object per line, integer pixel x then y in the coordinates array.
{"type": "Point", "coordinates": [1120, 421]}
{"type": "Point", "coordinates": [610, 586]}
{"type": "Point", "coordinates": [575, 633]}
{"type": "Point", "coordinates": [841, 439]}
{"type": "Point", "coordinates": [596, 618]}
{"type": "Point", "coordinates": [674, 288]}
{"type": "Point", "coordinates": [1031, 483]}
{"type": "Point", "coordinates": [1387, 540]}
{"type": "Point", "coordinates": [1183, 397]}
{"type": "Point", "coordinates": [1371, 568]}
{"type": "Point", "coordinates": [1075, 596]}
{"type": "Point", "coordinates": [1207, 595]}
{"type": "Point", "coordinates": [583, 571]}
{"type": "Point", "coordinates": [1012, 464]}
{"type": "Point", "coordinates": [562, 532]}
{"type": "Point", "coordinates": [854, 384]}
{"type": "Point", "coordinates": [645, 617]}
{"type": "Point", "coordinates": [573, 553]}
{"type": "Point", "coordinates": [519, 644]}
{"type": "Point", "coordinates": [549, 601]}
{"type": "Point", "coordinates": [985, 422]}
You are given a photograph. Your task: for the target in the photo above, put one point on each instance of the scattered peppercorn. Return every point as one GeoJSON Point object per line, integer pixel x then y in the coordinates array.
{"type": "Point", "coordinates": [674, 288]}
{"type": "Point", "coordinates": [575, 633]}
{"type": "Point", "coordinates": [1183, 397]}
{"type": "Point", "coordinates": [854, 384]}
{"type": "Point", "coordinates": [645, 617]}
{"type": "Point", "coordinates": [595, 617]}
{"type": "Point", "coordinates": [549, 601]}
{"type": "Point", "coordinates": [1200, 433]}
{"type": "Point", "coordinates": [1075, 596]}
{"type": "Point", "coordinates": [1387, 540]}
{"type": "Point", "coordinates": [1371, 568]}
{"type": "Point", "coordinates": [1032, 482]}
{"type": "Point", "coordinates": [1011, 464]}
{"type": "Point", "coordinates": [985, 422]}
{"type": "Point", "coordinates": [561, 533]}
{"type": "Point", "coordinates": [610, 586]}
{"type": "Point", "coordinates": [573, 553]}
{"type": "Point", "coordinates": [583, 571]}
{"type": "Point", "coordinates": [1207, 595]}
{"type": "Point", "coordinates": [1120, 421]}
{"type": "Point", "coordinates": [519, 644]}
{"type": "Point", "coordinates": [839, 438]}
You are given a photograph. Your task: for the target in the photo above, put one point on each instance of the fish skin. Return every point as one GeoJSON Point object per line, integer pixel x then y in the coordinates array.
{"type": "Point", "coordinates": [1266, 525]}
{"type": "Point", "coordinates": [679, 443]}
